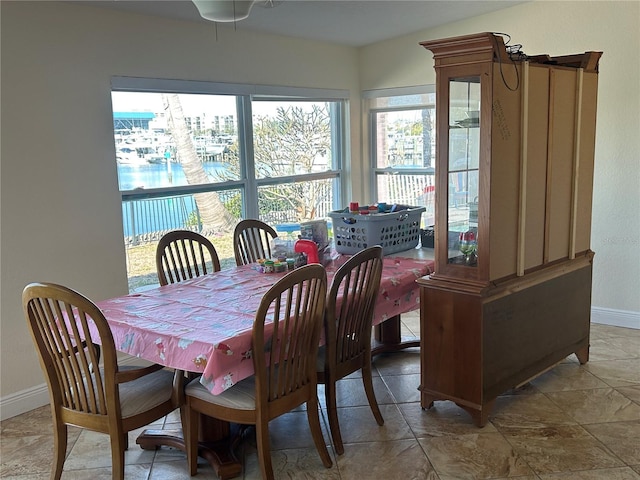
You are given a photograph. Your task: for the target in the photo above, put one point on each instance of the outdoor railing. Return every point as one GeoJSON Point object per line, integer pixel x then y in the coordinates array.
{"type": "Point", "coordinates": [146, 220]}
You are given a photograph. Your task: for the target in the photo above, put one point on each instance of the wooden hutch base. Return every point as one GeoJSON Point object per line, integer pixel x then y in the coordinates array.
{"type": "Point", "coordinates": [478, 344]}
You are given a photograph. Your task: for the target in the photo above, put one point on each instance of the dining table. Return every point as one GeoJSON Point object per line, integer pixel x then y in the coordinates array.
{"type": "Point", "coordinates": [203, 325]}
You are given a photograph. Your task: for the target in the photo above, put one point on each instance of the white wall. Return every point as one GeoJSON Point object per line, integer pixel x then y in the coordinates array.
{"type": "Point", "coordinates": [60, 207]}
{"type": "Point", "coordinates": [562, 28]}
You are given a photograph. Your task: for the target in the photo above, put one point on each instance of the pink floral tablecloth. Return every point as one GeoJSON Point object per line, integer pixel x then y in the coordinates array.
{"type": "Point", "coordinates": [204, 324]}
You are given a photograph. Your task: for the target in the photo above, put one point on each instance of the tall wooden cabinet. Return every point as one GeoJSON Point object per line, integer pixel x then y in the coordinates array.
{"type": "Point", "coordinates": [511, 292]}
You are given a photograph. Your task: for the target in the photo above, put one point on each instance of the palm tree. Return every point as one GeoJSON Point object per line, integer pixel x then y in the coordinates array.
{"type": "Point", "coordinates": [215, 217]}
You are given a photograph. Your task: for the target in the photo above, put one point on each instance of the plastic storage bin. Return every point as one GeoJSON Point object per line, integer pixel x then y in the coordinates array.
{"type": "Point", "coordinates": [394, 232]}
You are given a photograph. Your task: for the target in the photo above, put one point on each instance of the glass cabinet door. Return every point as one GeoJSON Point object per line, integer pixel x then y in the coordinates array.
{"type": "Point", "coordinates": [463, 168]}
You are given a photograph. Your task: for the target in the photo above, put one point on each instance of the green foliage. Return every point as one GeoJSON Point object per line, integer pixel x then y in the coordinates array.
{"type": "Point", "coordinates": [233, 204]}
{"type": "Point", "coordinates": [294, 141]}
{"type": "Point", "coordinates": [193, 220]}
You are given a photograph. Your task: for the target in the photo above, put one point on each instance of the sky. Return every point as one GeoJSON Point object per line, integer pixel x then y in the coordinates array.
{"type": "Point", "coordinates": [195, 104]}
{"type": "Point", "coordinates": [192, 104]}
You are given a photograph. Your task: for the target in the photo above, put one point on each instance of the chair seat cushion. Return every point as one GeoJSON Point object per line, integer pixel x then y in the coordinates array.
{"type": "Point", "coordinates": [241, 396]}
{"type": "Point", "coordinates": [146, 392]}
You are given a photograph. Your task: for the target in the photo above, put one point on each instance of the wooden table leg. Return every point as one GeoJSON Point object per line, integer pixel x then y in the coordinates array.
{"type": "Point", "coordinates": [387, 337]}
{"type": "Point", "coordinates": [217, 443]}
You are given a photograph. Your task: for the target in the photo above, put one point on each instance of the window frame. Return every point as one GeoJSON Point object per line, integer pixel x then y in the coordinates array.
{"type": "Point", "coordinates": [370, 97]}
{"type": "Point", "coordinates": [246, 94]}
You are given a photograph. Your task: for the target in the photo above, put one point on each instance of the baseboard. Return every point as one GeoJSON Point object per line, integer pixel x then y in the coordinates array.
{"type": "Point", "coordinates": [616, 318]}
{"type": "Point", "coordinates": [24, 401]}
{"type": "Point", "coordinates": [31, 398]}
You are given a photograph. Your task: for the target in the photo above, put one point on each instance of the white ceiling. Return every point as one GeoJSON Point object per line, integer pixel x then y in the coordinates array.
{"type": "Point", "coordinates": [346, 22]}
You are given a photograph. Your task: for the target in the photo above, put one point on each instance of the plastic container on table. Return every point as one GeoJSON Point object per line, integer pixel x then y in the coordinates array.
{"type": "Point", "coordinates": [395, 231]}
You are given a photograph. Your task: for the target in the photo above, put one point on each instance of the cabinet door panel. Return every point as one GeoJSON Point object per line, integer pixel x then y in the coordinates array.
{"type": "Point", "coordinates": [560, 169]}
{"type": "Point", "coordinates": [536, 164]}
{"type": "Point", "coordinates": [586, 153]}
{"type": "Point", "coordinates": [505, 169]}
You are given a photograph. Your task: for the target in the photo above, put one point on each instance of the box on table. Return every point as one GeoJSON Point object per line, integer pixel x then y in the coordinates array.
{"type": "Point", "coordinates": [394, 232]}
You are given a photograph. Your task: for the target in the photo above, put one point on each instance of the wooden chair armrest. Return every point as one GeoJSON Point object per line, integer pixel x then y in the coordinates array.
{"type": "Point", "coordinates": [125, 376]}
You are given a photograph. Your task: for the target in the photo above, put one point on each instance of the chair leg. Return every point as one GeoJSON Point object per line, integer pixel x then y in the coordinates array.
{"type": "Point", "coordinates": [117, 455]}
{"type": "Point", "coordinates": [332, 412]}
{"type": "Point", "coordinates": [368, 388]}
{"type": "Point", "coordinates": [264, 449]}
{"type": "Point", "coordinates": [191, 422]}
{"type": "Point", "coordinates": [59, 448]}
{"type": "Point", "coordinates": [316, 431]}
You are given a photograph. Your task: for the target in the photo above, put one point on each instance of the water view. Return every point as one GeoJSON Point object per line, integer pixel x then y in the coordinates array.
{"type": "Point", "coordinates": [161, 175]}
{"type": "Point", "coordinates": [146, 219]}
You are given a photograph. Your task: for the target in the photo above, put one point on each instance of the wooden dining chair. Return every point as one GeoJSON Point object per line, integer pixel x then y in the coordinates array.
{"type": "Point", "coordinates": [183, 254]}
{"type": "Point", "coordinates": [71, 334]}
{"type": "Point", "coordinates": [285, 337]}
{"type": "Point", "coordinates": [348, 318]}
{"type": "Point", "coordinates": [252, 241]}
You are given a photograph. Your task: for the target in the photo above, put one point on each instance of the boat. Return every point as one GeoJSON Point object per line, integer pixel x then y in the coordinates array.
{"type": "Point", "coordinates": [126, 155]}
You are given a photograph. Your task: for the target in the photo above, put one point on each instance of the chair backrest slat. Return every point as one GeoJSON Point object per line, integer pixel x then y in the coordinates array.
{"type": "Point", "coordinates": [252, 241]}
{"type": "Point", "coordinates": [68, 329]}
{"type": "Point", "coordinates": [350, 304]}
{"type": "Point", "coordinates": [286, 333]}
{"type": "Point", "coordinates": [183, 254]}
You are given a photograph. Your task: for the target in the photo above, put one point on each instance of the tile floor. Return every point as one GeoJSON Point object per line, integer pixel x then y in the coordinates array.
{"type": "Point", "coordinates": [572, 423]}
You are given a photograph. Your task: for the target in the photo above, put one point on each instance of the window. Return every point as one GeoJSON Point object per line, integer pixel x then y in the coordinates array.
{"type": "Point", "coordinates": [201, 156]}
{"type": "Point", "coordinates": [402, 133]}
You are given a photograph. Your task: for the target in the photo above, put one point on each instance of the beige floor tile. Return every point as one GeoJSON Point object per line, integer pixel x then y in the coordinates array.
{"type": "Point", "coordinates": [613, 348]}
{"type": "Point", "coordinates": [350, 393]}
{"type": "Point", "coordinates": [131, 472]}
{"type": "Point", "coordinates": [622, 473]}
{"type": "Point", "coordinates": [169, 454]}
{"type": "Point", "coordinates": [444, 418]}
{"type": "Point", "coordinates": [540, 431]}
{"type": "Point", "coordinates": [411, 322]}
{"type": "Point", "coordinates": [632, 393]}
{"type": "Point", "coordinates": [173, 417]}
{"type": "Point", "coordinates": [622, 438]}
{"type": "Point", "coordinates": [596, 406]}
{"type": "Point", "coordinates": [617, 373]}
{"type": "Point", "coordinates": [519, 477]}
{"type": "Point", "coordinates": [35, 476]}
{"type": "Point", "coordinates": [299, 463]}
{"type": "Point", "coordinates": [560, 448]}
{"type": "Point", "coordinates": [398, 459]}
{"type": "Point", "coordinates": [599, 330]}
{"type": "Point", "coordinates": [291, 430]}
{"type": "Point", "coordinates": [473, 456]}
{"type": "Point", "coordinates": [534, 410]}
{"type": "Point", "coordinates": [567, 376]}
{"type": "Point", "coordinates": [93, 450]}
{"type": "Point", "coordinates": [100, 474]}
{"type": "Point", "coordinates": [398, 363]}
{"type": "Point", "coordinates": [35, 422]}
{"type": "Point", "coordinates": [26, 454]}
{"type": "Point", "coordinates": [404, 388]}
{"type": "Point", "coordinates": [178, 470]}
{"type": "Point", "coordinates": [357, 425]}
{"type": "Point", "coordinates": [526, 389]}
